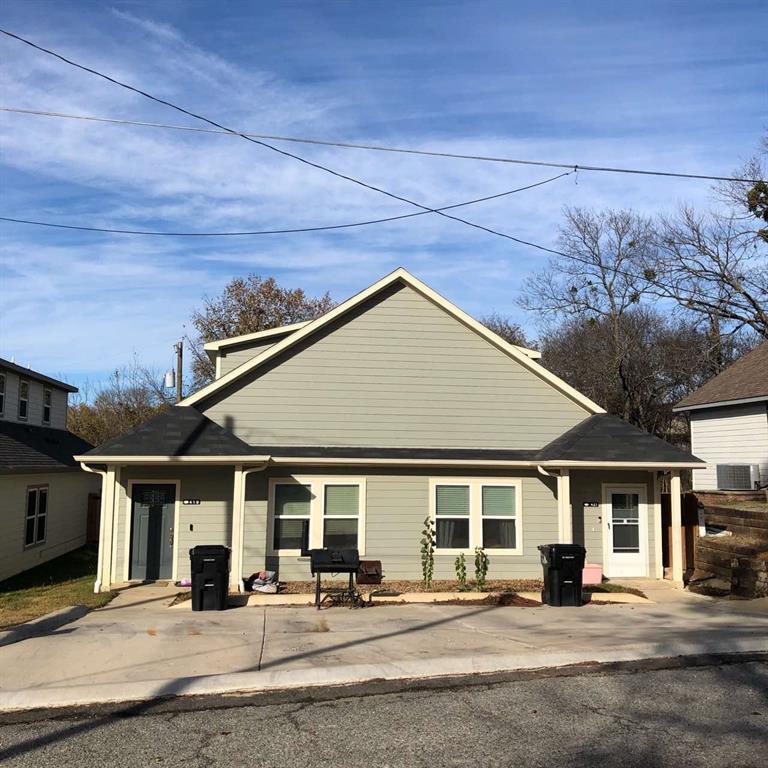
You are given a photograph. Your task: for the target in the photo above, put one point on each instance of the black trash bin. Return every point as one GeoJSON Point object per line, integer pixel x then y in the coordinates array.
{"type": "Point", "coordinates": [563, 567]}
{"type": "Point", "coordinates": [210, 577]}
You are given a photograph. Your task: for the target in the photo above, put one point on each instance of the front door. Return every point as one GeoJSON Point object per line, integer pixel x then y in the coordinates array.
{"type": "Point", "coordinates": [152, 521]}
{"type": "Point", "coordinates": [625, 531]}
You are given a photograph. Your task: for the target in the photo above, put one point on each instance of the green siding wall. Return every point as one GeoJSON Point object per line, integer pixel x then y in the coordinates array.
{"type": "Point", "coordinates": [234, 356]}
{"type": "Point", "coordinates": [400, 372]}
{"type": "Point", "coordinates": [397, 501]}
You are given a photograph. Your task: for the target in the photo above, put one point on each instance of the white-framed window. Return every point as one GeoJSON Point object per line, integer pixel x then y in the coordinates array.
{"type": "Point", "coordinates": [315, 512]}
{"type": "Point", "coordinates": [36, 516]}
{"type": "Point", "coordinates": [2, 394]}
{"type": "Point", "coordinates": [47, 405]}
{"type": "Point", "coordinates": [476, 512]}
{"type": "Point", "coordinates": [23, 400]}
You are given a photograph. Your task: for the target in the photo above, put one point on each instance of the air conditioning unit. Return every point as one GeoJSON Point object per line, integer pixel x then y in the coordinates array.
{"type": "Point", "coordinates": [738, 477]}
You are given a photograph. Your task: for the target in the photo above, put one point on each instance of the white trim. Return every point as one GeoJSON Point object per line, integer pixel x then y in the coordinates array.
{"type": "Point", "coordinates": [475, 485]}
{"type": "Point", "coordinates": [116, 504]}
{"type": "Point", "coordinates": [317, 484]}
{"type": "Point", "coordinates": [231, 341]}
{"type": "Point", "coordinates": [348, 461]}
{"type": "Point", "coordinates": [176, 520]}
{"type": "Point", "coordinates": [642, 491]}
{"type": "Point", "coordinates": [658, 527]}
{"type": "Point", "coordinates": [721, 403]}
{"type": "Point", "coordinates": [564, 509]}
{"type": "Point", "coordinates": [405, 277]}
{"type": "Point", "coordinates": [172, 459]}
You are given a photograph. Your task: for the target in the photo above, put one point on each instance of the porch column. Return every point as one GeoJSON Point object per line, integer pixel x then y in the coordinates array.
{"type": "Point", "coordinates": [677, 528]}
{"type": "Point", "coordinates": [107, 540]}
{"type": "Point", "coordinates": [235, 574]}
{"type": "Point", "coordinates": [658, 528]}
{"type": "Point", "coordinates": [565, 513]}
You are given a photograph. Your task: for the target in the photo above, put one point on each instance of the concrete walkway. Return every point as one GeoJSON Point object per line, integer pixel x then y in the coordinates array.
{"type": "Point", "coordinates": [138, 648]}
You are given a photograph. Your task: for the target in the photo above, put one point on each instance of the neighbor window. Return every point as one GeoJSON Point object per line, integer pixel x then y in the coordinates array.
{"type": "Point", "coordinates": [317, 512]}
{"type": "Point", "coordinates": [23, 400]}
{"type": "Point", "coordinates": [2, 394]}
{"type": "Point", "coordinates": [340, 516]}
{"type": "Point", "coordinates": [36, 516]}
{"type": "Point", "coordinates": [499, 524]}
{"type": "Point", "coordinates": [452, 516]}
{"type": "Point", "coordinates": [292, 513]}
{"type": "Point", "coordinates": [46, 406]}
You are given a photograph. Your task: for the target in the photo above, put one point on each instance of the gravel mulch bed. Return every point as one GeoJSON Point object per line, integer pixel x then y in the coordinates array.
{"type": "Point", "coordinates": [442, 585]}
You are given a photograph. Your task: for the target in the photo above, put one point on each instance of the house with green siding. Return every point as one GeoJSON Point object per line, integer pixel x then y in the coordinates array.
{"type": "Point", "coordinates": [351, 429]}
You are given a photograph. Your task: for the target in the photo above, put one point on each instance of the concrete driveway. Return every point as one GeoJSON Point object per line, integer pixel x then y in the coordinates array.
{"type": "Point", "coordinates": [137, 643]}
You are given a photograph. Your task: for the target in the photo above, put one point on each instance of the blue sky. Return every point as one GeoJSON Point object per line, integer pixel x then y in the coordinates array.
{"type": "Point", "coordinates": [678, 85]}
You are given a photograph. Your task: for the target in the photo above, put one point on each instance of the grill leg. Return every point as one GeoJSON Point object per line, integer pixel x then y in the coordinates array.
{"type": "Point", "coordinates": [317, 592]}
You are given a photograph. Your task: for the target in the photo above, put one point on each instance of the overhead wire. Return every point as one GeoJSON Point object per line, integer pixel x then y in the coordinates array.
{"type": "Point", "coordinates": [381, 148]}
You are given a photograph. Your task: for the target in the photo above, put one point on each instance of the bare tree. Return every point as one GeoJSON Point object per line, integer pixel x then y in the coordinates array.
{"type": "Point", "coordinates": [248, 305]}
{"type": "Point", "coordinates": [133, 394]}
{"type": "Point", "coordinates": [508, 330]}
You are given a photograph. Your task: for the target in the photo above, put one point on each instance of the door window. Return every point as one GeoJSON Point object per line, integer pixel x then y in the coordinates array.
{"type": "Point", "coordinates": [625, 522]}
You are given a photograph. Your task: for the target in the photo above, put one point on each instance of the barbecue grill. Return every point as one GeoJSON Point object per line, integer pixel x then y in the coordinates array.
{"type": "Point", "coordinates": [335, 561]}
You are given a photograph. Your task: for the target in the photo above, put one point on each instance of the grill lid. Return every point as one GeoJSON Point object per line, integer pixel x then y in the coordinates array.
{"type": "Point", "coordinates": [334, 560]}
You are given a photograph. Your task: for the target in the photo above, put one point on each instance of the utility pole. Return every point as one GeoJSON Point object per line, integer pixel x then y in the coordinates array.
{"type": "Point", "coordinates": [179, 347]}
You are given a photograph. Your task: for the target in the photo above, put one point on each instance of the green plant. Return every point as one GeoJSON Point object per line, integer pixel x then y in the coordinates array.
{"type": "Point", "coordinates": [461, 571]}
{"type": "Point", "coordinates": [428, 551]}
{"type": "Point", "coordinates": [481, 568]}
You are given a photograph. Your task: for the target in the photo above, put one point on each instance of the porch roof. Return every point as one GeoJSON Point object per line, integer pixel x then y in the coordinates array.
{"type": "Point", "coordinates": [184, 434]}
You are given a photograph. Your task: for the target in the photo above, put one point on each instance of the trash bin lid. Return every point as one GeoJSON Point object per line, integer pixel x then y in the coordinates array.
{"type": "Point", "coordinates": [556, 554]}
{"type": "Point", "coordinates": [209, 550]}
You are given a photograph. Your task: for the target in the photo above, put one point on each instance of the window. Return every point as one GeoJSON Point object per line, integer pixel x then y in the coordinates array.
{"type": "Point", "coordinates": [452, 516]}
{"type": "Point", "coordinates": [2, 394]}
{"type": "Point", "coordinates": [292, 514]}
{"type": "Point", "coordinates": [499, 524]}
{"type": "Point", "coordinates": [341, 510]}
{"type": "Point", "coordinates": [23, 400]}
{"type": "Point", "coordinates": [316, 512]}
{"type": "Point", "coordinates": [36, 516]}
{"type": "Point", "coordinates": [477, 512]}
{"type": "Point", "coordinates": [46, 406]}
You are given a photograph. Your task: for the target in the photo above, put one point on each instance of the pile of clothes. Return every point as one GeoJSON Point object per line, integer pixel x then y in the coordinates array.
{"type": "Point", "coordinates": [263, 581]}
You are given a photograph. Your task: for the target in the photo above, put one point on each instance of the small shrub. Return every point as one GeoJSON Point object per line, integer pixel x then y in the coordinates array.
{"type": "Point", "coordinates": [481, 568]}
{"type": "Point", "coordinates": [428, 551]}
{"type": "Point", "coordinates": [461, 572]}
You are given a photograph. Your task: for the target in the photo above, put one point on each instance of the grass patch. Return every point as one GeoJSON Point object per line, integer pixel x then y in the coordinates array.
{"type": "Point", "coordinates": [59, 583]}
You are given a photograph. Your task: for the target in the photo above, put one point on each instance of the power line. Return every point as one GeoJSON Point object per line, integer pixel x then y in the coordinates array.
{"type": "Point", "coordinates": [285, 231]}
{"type": "Point", "coordinates": [259, 142]}
{"type": "Point", "coordinates": [380, 148]}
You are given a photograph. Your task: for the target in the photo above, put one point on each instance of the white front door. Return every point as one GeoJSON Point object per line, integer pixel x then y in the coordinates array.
{"type": "Point", "coordinates": [625, 530]}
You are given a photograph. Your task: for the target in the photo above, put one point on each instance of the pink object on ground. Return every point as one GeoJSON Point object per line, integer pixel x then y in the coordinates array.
{"type": "Point", "coordinates": [593, 574]}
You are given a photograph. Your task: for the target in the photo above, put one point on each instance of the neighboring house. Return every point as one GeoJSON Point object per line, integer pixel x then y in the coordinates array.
{"type": "Point", "coordinates": [351, 429]}
{"type": "Point", "coordinates": [729, 425]}
{"type": "Point", "coordinates": [43, 490]}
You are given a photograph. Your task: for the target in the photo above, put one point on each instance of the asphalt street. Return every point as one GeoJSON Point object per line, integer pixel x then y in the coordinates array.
{"type": "Point", "coordinates": [703, 716]}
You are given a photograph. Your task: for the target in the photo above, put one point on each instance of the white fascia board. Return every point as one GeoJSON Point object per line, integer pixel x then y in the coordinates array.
{"type": "Point", "coordinates": [172, 459]}
{"type": "Point", "coordinates": [214, 346]}
{"type": "Point", "coordinates": [721, 404]}
{"type": "Point", "coordinates": [404, 276]}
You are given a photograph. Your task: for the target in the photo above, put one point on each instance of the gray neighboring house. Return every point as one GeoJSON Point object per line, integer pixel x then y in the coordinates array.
{"type": "Point", "coordinates": [351, 429]}
{"type": "Point", "coordinates": [729, 425]}
{"type": "Point", "coordinates": [43, 490]}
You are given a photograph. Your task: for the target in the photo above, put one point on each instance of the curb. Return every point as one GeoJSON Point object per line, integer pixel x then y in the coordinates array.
{"type": "Point", "coordinates": [244, 683]}
{"type": "Point", "coordinates": [43, 625]}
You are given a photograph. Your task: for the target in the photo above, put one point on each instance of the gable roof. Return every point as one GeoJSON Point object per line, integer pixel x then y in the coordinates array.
{"type": "Point", "coordinates": [404, 277]}
{"type": "Point", "coordinates": [25, 446]}
{"type": "Point", "coordinates": [176, 432]}
{"type": "Point", "coordinates": [744, 381]}
{"type": "Point", "coordinates": [28, 373]}
{"type": "Point", "coordinates": [607, 438]}
{"type": "Point", "coordinates": [233, 341]}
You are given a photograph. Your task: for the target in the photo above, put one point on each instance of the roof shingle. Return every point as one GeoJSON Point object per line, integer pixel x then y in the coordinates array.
{"type": "Point", "coordinates": [745, 379]}
{"type": "Point", "coordinates": [24, 446]}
